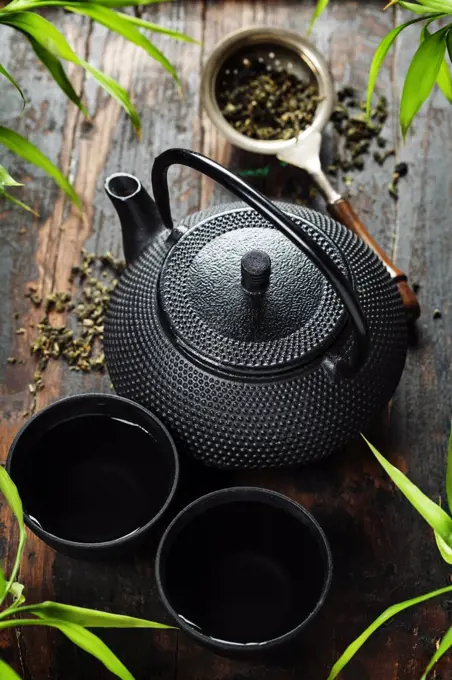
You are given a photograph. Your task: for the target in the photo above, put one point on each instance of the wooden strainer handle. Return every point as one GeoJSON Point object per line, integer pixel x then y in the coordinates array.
{"type": "Point", "coordinates": [342, 211]}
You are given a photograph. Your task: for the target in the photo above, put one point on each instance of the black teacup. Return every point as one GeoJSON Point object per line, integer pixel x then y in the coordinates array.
{"type": "Point", "coordinates": [243, 570]}
{"type": "Point", "coordinates": [94, 471]}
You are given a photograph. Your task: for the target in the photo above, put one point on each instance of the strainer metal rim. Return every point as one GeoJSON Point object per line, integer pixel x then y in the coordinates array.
{"type": "Point", "coordinates": [282, 37]}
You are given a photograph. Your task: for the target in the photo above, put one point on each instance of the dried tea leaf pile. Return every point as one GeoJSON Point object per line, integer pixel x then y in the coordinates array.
{"type": "Point", "coordinates": [356, 135]}
{"type": "Point", "coordinates": [276, 105]}
{"type": "Point", "coordinates": [81, 348]}
{"type": "Point", "coordinates": [268, 105]}
{"type": "Point", "coordinates": [78, 341]}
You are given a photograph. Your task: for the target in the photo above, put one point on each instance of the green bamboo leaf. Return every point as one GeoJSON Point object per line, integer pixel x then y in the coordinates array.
{"type": "Point", "coordinates": [16, 591]}
{"type": "Point", "coordinates": [82, 638]}
{"type": "Point", "coordinates": [438, 5]}
{"type": "Point", "coordinates": [2, 583]}
{"type": "Point", "coordinates": [90, 643]}
{"type": "Point", "coordinates": [380, 55]}
{"type": "Point", "coordinates": [53, 64]}
{"type": "Point", "coordinates": [319, 9]}
{"type": "Point", "coordinates": [115, 21]}
{"type": "Point", "coordinates": [413, 7]}
{"type": "Point", "coordinates": [6, 179]}
{"type": "Point", "coordinates": [444, 549]}
{"type": "Point", "coordinates": [88, 618]}
{"type": "Point", "coordinates": [42, 31]}
{"type": "Point", "coordinates": [156, 28]}
{"type": "Point", "coordinates": [127, 3]}
{"type": "Point", "coordinates": [11, 494]}
{"type": "Point", "coordinates": [8, 75]}
{"type": "Point", "coordinates": [7, 673]}
{"type": "Point", "coordinates": [25, 5]}
{"type": "Point", "coordinates": [26, 150]}
{"type": "Point", "coordinates": [449, 44]}
{"type": "Point", "coordinates": [117, 92]}
{"type": "Point", "coordinates": [444, 646]}
{"type": "Point", "coordinates": [424, 30]}
{"type": "Point", "coordinates": [383, 618]}
{"type": "Point", "coordinates": [444, 78]}
{"type": "Point", "coordinates": [9, 197]}
{"type": "Point", "coordinates": [449, 472]}
{"type": "Point", "coordinates": [433, 514]}
{"type": "Point", "coordinates": [421, 76]}
{"type": "Point", "coordinates": [30, 6]}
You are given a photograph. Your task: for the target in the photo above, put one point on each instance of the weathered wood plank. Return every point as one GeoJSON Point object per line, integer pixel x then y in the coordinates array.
{"type": "Point", "coordinates": [53, 245]}
{"type": "Point", "coordinates": [424, 402]}
{"type": "Point", "coordinates": [383, 552]}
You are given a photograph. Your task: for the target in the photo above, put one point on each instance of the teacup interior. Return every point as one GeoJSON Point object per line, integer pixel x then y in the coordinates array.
{"type": "Point", "coordinates": [244, 572]}
{"type": "Point", "coordinates": [95, 475]}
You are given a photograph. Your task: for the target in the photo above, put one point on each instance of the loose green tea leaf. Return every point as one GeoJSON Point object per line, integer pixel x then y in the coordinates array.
{"type": "Point", "coordinates": [449, 472]}
{"type": "Point", "coordinates": [26, 150]}
{"type": "Point", "coordinates": [265, 104]}
{"type": "Point", "coordinates": [383, 618]}
{"type": "Point", "coordinates": [53, 64]}
{"type": "Point", "coordinates": [115, 90]}
{"type": "Point", "coordinates": [116, 22]}
{"type": "Point", "coordinates": [433, 514]}
{"type": "Point", "coordinates": [444, 646]}
{"type": "Point", "coordinates": [421, 76]}
{"type": "Point", "coordinates": [319, 9]}
{"type": "Point", "coordinates": [380, 55]}
{"type": "Point", "coordinates": [89, 618]}
{"type": "Point", "coordinates": [7, 673]}
{"type": "Point", "coordinates": [8, 75]}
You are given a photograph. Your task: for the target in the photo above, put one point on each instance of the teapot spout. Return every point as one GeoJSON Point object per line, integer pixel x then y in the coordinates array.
{"type": "Point", "coordinates": [138, 214]}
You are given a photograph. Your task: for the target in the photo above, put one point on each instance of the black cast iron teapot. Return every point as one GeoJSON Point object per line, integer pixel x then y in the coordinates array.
{"type": "Point", "coordinates": [261, 333]}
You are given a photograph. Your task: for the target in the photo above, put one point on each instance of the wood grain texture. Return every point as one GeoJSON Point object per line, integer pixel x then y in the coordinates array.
{"type": "Point", "coordinates": [383, 552]}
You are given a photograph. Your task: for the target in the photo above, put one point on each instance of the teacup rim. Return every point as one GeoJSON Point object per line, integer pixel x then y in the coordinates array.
{"type": "Point", "coordinates": [285, 502]}
{"type": "Point", "coordinates": [55, 540]}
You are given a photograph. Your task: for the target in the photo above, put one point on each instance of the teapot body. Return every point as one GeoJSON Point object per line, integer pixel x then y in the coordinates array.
{"type": "Point", "coordinates": [274, 412]}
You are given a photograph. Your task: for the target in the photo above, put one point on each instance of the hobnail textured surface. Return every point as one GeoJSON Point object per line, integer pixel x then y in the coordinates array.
{"type": "Point", "coordinates": [208, 312]}
{"type": "Point", "coordinates": [241, 423]}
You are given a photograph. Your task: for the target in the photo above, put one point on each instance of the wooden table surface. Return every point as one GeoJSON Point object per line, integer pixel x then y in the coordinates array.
{"type": "Point", "coordinates": [383, 552]}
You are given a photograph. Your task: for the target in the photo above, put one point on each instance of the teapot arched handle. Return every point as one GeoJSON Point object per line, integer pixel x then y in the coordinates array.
{"type": "Point", "coordinates": [274, 215]}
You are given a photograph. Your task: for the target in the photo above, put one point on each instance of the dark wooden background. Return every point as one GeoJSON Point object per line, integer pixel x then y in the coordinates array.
{"type": "Point", "coordinates": [383, 552]}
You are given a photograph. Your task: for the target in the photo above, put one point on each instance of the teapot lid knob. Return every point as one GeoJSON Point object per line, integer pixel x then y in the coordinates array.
{"type": "Point", "coordinates": [256, 270]}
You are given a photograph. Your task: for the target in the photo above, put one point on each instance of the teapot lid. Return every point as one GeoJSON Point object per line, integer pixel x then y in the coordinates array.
{"type": "Point", "coordinates": [236, 294]}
